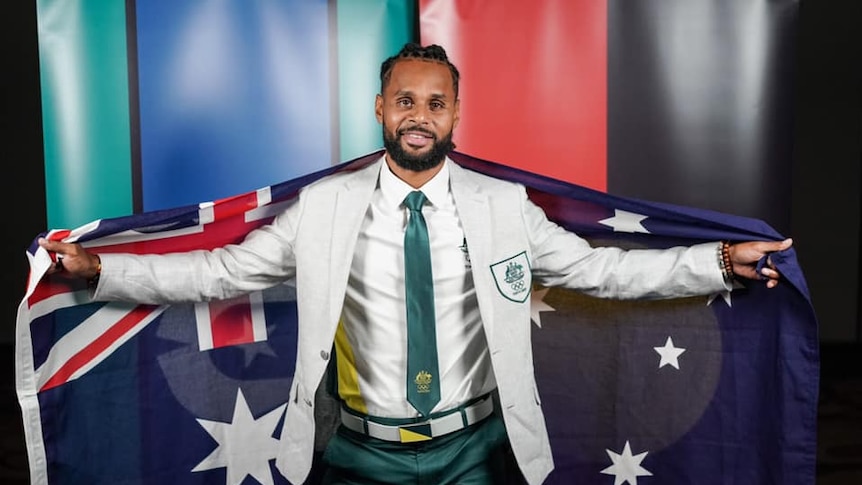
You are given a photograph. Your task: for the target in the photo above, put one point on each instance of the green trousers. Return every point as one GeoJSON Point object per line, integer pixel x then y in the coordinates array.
{"type": "Point", "coordinates": [476, 455]}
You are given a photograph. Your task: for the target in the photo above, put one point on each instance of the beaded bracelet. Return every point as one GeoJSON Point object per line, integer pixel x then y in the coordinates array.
{"type": "Point", "coordinates": [724, 261]}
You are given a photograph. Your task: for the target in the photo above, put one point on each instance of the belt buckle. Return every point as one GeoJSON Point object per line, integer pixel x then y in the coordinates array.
{"type": "Point", "coordinates": [413, 433]}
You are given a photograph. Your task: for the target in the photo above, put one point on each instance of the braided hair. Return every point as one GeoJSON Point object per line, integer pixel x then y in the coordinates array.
{"type": "Point", "coordinates": [412, 50]}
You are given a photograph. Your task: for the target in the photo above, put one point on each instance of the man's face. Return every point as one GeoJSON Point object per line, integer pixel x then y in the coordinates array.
{"type": "Point", "coordinates": [418, 111]}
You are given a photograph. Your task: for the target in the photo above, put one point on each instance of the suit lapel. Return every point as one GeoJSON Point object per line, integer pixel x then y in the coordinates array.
{"type": "Point", "coordinates": [350, 204]}
{"type": "Point", "coordinates": [474, 210]}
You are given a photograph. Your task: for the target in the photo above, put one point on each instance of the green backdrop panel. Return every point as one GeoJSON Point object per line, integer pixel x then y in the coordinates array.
{"type": "Point", "coordinates": [85, 110]}
{"type": "Point", "coordinates": [368, 32]}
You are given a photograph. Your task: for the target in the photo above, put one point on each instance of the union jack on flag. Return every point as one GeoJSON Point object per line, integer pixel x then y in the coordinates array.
{"type": "Point", "coordinates": [709, 390]}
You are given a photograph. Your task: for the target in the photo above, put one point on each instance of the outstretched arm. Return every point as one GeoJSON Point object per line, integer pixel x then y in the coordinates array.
{"type": "Point", "coordinates": [745, 255]}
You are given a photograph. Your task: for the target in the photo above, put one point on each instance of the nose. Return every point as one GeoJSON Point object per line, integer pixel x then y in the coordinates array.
{"type": "Point", "coordinates": [419, 114]}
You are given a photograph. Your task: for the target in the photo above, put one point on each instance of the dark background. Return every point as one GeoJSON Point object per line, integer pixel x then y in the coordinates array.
{"type": "Point", "coordinates": [825, 212]}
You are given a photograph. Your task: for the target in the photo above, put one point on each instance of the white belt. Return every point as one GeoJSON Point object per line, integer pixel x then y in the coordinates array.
{"type": "Point", "coordinates": [423, 430]}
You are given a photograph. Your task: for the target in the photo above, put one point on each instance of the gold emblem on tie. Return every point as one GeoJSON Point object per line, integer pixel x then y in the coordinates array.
{"type": "Point", "coordinates": [423, 381]}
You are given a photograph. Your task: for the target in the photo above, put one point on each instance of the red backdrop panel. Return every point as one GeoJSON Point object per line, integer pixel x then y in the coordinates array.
{"type": "Point", "coordinates": [533, 82]}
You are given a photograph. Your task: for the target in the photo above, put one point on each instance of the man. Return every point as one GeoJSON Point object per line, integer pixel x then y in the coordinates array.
{"type": "Point", "coordinates": [343, 239]}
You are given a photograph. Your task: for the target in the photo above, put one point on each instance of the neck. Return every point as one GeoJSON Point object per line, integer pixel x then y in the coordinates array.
{"type": "Point", "coordinates": [411, 177]}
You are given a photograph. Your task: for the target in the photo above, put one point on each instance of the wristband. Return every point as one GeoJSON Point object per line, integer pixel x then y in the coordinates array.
{"type": "Point", "coordinates": [93, 282]}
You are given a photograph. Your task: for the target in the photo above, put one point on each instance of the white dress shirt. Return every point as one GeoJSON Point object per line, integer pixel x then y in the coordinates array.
{"type": "Point", "coordinates": [372, 339]}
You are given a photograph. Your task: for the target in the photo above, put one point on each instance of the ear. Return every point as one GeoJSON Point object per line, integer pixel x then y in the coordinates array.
{"type": "Point", "coordinates": [378, 108]}
{"type": "Point", "coordinates": [456, 116]}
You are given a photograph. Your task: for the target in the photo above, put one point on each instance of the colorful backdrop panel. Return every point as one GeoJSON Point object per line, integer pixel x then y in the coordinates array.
{"type": "Point", "coordinates": [533, 82]}
{"type": "Point", "coordinates": [85, 110]}
{"type": "Point", "coordinates": [368, 32]}
{"type": "Point", "coordinates": [701, 103]}
{"type": "Point", "coordinates": [234, 96]}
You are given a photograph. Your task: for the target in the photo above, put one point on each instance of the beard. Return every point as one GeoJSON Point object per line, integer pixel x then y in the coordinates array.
{"type": "Point", "coordinates": [417, 163]}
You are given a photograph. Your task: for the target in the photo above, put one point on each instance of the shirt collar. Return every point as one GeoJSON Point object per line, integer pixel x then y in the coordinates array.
{"type": "Point", "coordinates": [394, 190]}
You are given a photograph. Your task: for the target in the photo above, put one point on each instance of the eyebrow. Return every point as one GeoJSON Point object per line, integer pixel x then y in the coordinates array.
{"type": "Point", "coordinates": [405, 92]}
{"type": "Point", "coordinates": [434, 97]}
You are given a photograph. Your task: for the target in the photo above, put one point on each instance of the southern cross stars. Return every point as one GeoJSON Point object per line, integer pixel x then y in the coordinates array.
{"type": "Point", "coordinates": [725, 295]}
{"type": "Point", "coordinates": [626, 468]}
{"type": "Point", "coordinates": [623, 221]}
{"type": "Point", "coordinates": [669, 354]}
{"type": "Point", "coordinates": [538, 305]}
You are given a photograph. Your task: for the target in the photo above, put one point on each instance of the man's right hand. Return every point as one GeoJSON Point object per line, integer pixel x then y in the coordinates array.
{"type": "Point", "coordinates": [72, 259]}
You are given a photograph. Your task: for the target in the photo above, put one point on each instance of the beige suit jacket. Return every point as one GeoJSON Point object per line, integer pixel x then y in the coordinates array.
{"type": "Point", "coordinates": [511, 243]}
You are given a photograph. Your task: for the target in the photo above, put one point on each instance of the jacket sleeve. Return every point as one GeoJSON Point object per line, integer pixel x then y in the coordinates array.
{"type": "Point", "coordinates": [263, 259]}
{"type": "Point", "coordinates": [562, 258]}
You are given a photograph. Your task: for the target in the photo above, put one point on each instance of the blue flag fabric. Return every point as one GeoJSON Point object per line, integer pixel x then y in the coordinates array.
{"type": "Point", "coordinates": [709, 390]}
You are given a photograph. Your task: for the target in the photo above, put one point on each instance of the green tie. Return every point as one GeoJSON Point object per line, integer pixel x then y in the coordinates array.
{"type": "Point", "coordinates": [423, 379]}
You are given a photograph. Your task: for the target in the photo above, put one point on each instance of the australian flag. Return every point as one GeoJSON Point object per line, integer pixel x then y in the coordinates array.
{"type": "Point", "coordinates": [719, 389]}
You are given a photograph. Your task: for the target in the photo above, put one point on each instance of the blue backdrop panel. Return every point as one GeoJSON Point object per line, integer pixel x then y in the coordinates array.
{"type": "Point", "coordinates": [233, 96]}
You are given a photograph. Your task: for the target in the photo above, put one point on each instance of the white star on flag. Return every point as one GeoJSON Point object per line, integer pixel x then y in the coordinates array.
{"type": "Point", "coordinates": [669, 354]}
{"type": "Point", "coordinates": [626, 468]}
{"type": "Point", "coordinates": [725, 295]}
{"type": "Point", "coordinates": [245, 445]}
{"type": "Point", "coordinates": [623, 221]}
{"type": "Point", "coordinates": [538, 305]}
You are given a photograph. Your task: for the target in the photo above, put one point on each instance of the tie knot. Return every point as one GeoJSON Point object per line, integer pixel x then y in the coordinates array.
{"type": "Point", "coordinates": [415, 200]}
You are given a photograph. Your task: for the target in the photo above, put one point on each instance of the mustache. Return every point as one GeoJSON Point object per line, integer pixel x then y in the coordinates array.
{"type": "Point", "coordinates": [424, 131]}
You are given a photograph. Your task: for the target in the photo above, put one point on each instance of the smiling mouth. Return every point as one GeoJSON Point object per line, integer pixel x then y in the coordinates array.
{"type": "Point", "coordinates": [416, 138]}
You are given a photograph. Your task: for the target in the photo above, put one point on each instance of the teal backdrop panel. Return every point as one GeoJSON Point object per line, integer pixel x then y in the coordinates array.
{"type": "Point", "coordinates": [85, 110]}
{"type": "Point", "coordinates": [369, 31]}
